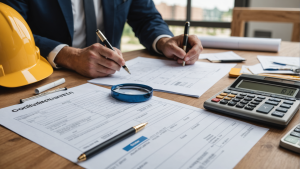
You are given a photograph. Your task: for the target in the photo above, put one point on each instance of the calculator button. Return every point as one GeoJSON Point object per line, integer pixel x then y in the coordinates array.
{"type": "Point", "coordinates": [258, 100]}
{"type": "Point", "coordinates": [278, 114]}
{"type": "Point", "coordinates": [254, 102]}
{"type": "Point", "coordinates": [272, 103]}
{"type": "Point", "coordinates": [223, 101]}
{"type": "Point", "coordinates": [289, 98]}
{"type": "Point", "coordinates": [253, 105]}
{"type": "Point", "coordinates": [220, 97]}
{"type": "Point", "coordinates": [223, 94]}
{"type": "Point", "coordinates": [240, 105]}
{"type": "Point", "coordinates": [236, 100]}
{"type": "Point", "coordinates": [235, 93]}
{"type": "Point", "coordinates": [265, 108]}
{"type": "Point", "coordinates": [239, 97]}
{"type": "Point", "coordinates": [276, 96]}
{"type": "Point", "coordinates": [298, 127]}
{"type": "Point", "coordinates": [288, 102]}
{"type": "Point", "coordinates": [249, 107]}
{"type": "Point", "coordinates": [285, 106]}
{"type": "Point", "coordinates": [297, 130]}
{"type": "Point", "coordinates": [251, 95]}
{"type": "Point", "coordinates": [227, 98]}
{"type": "Point", "coordinates": [227, 91]}
{"type": "Point", "coordinates": [282, 109]}
{"type": "Point", "coordinates": [247, 99]}
{"type": "Point", "coordinates": [295, 134]}
{"type": "Point", "coordinates": [244, 102]}
{"type": "Point", "coordinates": [291, 139]}
{"type": "Point", "coordinates": [231, 95]}
{"type": "Point", "coordinates": [232, 103]}
{"type": "Point", "coordinates": [266, 94]}
{"type": "Point", "coordinates": [276, 100]}
{"type": "Point", "coordinates": [215, 100]}
{"type": "Point", "coordinates": [271, 99]}
{"type": "Point", "coordinates": [243, 94]}
{"type": "Point", "coordinates": [261, 97]}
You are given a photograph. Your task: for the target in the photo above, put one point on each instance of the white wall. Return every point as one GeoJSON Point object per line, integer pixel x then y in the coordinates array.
{"type": "Point", "coordinates": [279, 30]}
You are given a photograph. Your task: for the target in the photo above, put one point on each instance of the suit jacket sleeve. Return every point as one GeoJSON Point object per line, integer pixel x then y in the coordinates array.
{"type": "Point", "coordinates": [146, 22]}
{"type": "Point", "coordinates": [46, 45]}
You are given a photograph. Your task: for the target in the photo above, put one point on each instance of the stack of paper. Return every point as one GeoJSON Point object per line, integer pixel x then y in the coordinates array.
{"type": "Point", "coordinates": [224, 56]}
{"type": "Point", "coordinates": [169, 76]}
{"type": "Point", "coordinates": [275, 62]}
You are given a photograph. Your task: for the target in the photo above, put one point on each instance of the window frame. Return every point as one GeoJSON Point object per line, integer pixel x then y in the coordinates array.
{"type": "Point", "coordinates": [212, 24]}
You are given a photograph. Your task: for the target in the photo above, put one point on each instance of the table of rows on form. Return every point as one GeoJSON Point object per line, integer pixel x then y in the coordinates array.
{"type": "Point", "coordinates": [176, 136]}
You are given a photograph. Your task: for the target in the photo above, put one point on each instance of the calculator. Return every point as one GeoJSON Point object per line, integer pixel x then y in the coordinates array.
{"type": "Point", "coordinates": [291, 140]}
{"type": "Point", "coordinates": [269, 100]}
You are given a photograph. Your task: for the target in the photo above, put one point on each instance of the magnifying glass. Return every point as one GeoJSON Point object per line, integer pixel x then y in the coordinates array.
{"type": "Point", "coordinates": [131, 92]}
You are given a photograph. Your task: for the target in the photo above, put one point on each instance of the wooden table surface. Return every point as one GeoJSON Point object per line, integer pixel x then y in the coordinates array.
{"type": "Point", "coordinates": [19, 152]}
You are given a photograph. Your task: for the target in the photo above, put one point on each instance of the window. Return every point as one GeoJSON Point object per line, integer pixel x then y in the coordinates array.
{"type": "Point", "coordinates": [171, 9]}
{"type": "Point", "coordinates": [212, 10]}
{"type": "Point", "coordinates": [207, 18]}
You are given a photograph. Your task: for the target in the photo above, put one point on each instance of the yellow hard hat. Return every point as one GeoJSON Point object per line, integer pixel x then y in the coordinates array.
{"type": "Point", "coordinates": [20, 60]}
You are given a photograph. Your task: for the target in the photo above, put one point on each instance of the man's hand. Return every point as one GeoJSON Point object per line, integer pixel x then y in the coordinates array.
{"type": "Point", "coordinates": [172, 48]}
{"type": "Point", "coordinates": [93, 61]}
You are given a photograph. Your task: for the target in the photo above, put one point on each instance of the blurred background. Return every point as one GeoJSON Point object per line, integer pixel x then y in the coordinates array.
{"type": "Point", "coordinates": [213, 18]}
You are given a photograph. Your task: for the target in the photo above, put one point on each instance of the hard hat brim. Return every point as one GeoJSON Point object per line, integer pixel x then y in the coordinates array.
{"type": "Point", "coordinates": [41, 70]}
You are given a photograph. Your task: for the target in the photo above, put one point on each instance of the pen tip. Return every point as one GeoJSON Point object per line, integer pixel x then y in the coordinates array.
{"type": "Point", "coordinates": [81, 158]}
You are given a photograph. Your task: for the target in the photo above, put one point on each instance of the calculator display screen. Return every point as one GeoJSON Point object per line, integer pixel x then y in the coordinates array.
{"type": "Point", "coordinates": [267, 88]}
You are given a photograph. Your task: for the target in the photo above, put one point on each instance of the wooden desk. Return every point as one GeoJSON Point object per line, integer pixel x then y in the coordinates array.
{"type": "Point", "coordinates": [18, 152]}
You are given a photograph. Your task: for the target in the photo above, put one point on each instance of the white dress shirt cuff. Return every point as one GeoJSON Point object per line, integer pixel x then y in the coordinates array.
{"type": "Point", "coordinates": [156, 40]}
{"type": "Point", "coordinates": [53, 53]}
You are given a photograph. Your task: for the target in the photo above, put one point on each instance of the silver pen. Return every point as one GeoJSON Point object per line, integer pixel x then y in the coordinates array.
{"type": "Point", "coordinates": [105, 41]}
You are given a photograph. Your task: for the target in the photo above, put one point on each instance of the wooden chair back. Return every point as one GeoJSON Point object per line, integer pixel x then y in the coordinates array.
{"type": "Point", "coordinates": [240, 15]}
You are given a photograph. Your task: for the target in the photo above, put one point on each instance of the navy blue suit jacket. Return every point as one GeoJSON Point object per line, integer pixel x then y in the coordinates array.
{"type": "Point", "coordinates": [51, 21]}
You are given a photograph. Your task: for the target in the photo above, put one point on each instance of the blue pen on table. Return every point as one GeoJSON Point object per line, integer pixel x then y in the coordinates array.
{"type": "Point", "coordinates": [282, 68]}
{"type": "Point", "coordinates": [279, 68]}
{"type": "Point", "coordinates": [284, 64]}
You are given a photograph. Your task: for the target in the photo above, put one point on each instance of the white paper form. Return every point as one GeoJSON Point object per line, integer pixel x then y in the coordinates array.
{"type": "Point", "coordinates": [169, 76]}
{"type": "Point", "coordinates": [267, 61]}
{"type": "Point", "coordinates": [221, 56]}
{"type": "Point", "coordinates": [258, 69]}
{"type": "Point", "coordinates": [177, 136]}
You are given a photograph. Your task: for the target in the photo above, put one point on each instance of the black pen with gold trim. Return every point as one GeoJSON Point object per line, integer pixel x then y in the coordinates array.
{"type": "Point", "coordinates": [185, 38]}
{"type": "Point", "coordinates": [105, 41]}
{"type": "Point", "coordinates": [105, 145]}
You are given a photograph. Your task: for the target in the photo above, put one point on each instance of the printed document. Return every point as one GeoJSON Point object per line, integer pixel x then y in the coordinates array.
{"type": "Point", "coordinates": [177, 135]}
{"type": "Point", "coordinates": [267, 62]}
{"type": "Point", "coordinates": [221, 56]}
{"type": "Point", "coordinates": [169, 76]}
{"type": "Point", "coordinates": [258, 69]}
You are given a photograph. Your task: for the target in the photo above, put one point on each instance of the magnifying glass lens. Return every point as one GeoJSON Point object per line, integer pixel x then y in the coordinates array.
{"type": "Point", "coordinates": [132, 90]}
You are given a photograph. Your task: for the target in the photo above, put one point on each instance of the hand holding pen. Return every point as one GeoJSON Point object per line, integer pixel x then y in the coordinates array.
{"type": "Point", "coordinates": [173, 48]}
{"type": "Point", "coordinates": [105, 41]}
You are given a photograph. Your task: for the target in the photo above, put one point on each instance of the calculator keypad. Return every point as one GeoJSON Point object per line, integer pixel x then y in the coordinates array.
{"type": "Point", "coordinates": [250, 100]}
